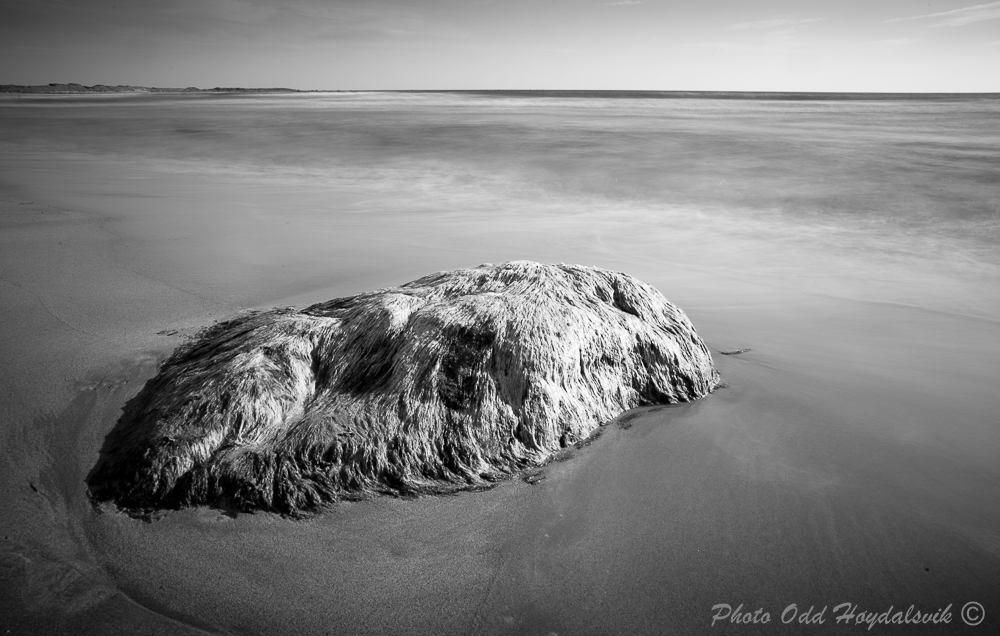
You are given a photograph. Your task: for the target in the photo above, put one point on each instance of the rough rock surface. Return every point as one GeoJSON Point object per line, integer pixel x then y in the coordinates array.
{"type": "Point", "coordinates": [449, 382]}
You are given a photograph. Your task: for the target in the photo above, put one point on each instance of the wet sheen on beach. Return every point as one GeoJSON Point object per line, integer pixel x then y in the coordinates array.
{"type": "Point", "coordinates": [851, 247]}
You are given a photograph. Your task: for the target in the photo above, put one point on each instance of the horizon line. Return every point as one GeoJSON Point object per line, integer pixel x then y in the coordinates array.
{"type": "Point", "coordinates": [100, 88]}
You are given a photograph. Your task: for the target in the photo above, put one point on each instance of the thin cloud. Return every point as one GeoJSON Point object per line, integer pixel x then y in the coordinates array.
{"type": "Point", "coordinates": [896, 41]}
{"type": "Point", "coordinates": [959, 17]}
{"type": "Point", "coordinates": [621, 2]}
{"type": "Point", "coordinates": [297, 23]}
{"type": "Point", "coordinates": [730, 47]}
{"type": "Point", "coordinates": [776, 43]}
{"type": "Point", "coordinates": [777, 21]}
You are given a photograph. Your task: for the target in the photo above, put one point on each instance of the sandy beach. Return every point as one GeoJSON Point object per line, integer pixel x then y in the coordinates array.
{"type": "Point", "coordinates": [852, 457]}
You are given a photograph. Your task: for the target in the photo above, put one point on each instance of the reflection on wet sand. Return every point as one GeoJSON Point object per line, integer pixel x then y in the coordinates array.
{"type": "Point", "coordinates": [851, 458]}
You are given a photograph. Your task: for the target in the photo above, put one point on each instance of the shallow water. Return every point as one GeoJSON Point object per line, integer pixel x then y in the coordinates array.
{"type": "Point", "coordinates": [852, 245]}
{"type": "Point", "coordinates": [887, 200]}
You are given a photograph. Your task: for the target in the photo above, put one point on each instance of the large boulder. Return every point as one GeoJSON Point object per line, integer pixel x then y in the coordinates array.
{"type": "Point", "coordinates": [452, 381]}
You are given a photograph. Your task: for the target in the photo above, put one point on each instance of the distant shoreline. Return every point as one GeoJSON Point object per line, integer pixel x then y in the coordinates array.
{"type": "Point", "coordinates": [74, 89]}
{"type": "Point", "coordinates": [79, 89]}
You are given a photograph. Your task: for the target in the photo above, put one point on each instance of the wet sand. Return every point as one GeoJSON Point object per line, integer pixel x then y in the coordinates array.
{"type": "Point", "coordinates": [852, 458]}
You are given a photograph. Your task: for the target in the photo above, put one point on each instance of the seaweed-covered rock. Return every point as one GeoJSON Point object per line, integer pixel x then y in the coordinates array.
{"type": "Point", "coordinates": [452, 381]}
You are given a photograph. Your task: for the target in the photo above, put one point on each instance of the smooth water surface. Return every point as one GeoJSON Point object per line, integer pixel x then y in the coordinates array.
{"type": "Point", "coordinates": [852, 245]}
{"type": "Point", "coordinates": [886, 200]}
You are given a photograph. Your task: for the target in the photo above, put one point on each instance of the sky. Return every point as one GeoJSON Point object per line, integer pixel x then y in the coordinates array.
{"type": "Point", "coordinates": [752, 45]}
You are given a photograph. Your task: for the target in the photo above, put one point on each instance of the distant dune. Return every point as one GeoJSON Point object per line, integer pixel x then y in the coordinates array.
{"type": "Point", "coordinates": [102, 88]}
{"type": "Point", "coordinates": [450, 382]}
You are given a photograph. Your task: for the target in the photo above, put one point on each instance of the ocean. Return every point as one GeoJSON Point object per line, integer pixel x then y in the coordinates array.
{"type": "Point", "coordinates": [850, 242]}
{"type": "Point", "coordinates": [891, 199]}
